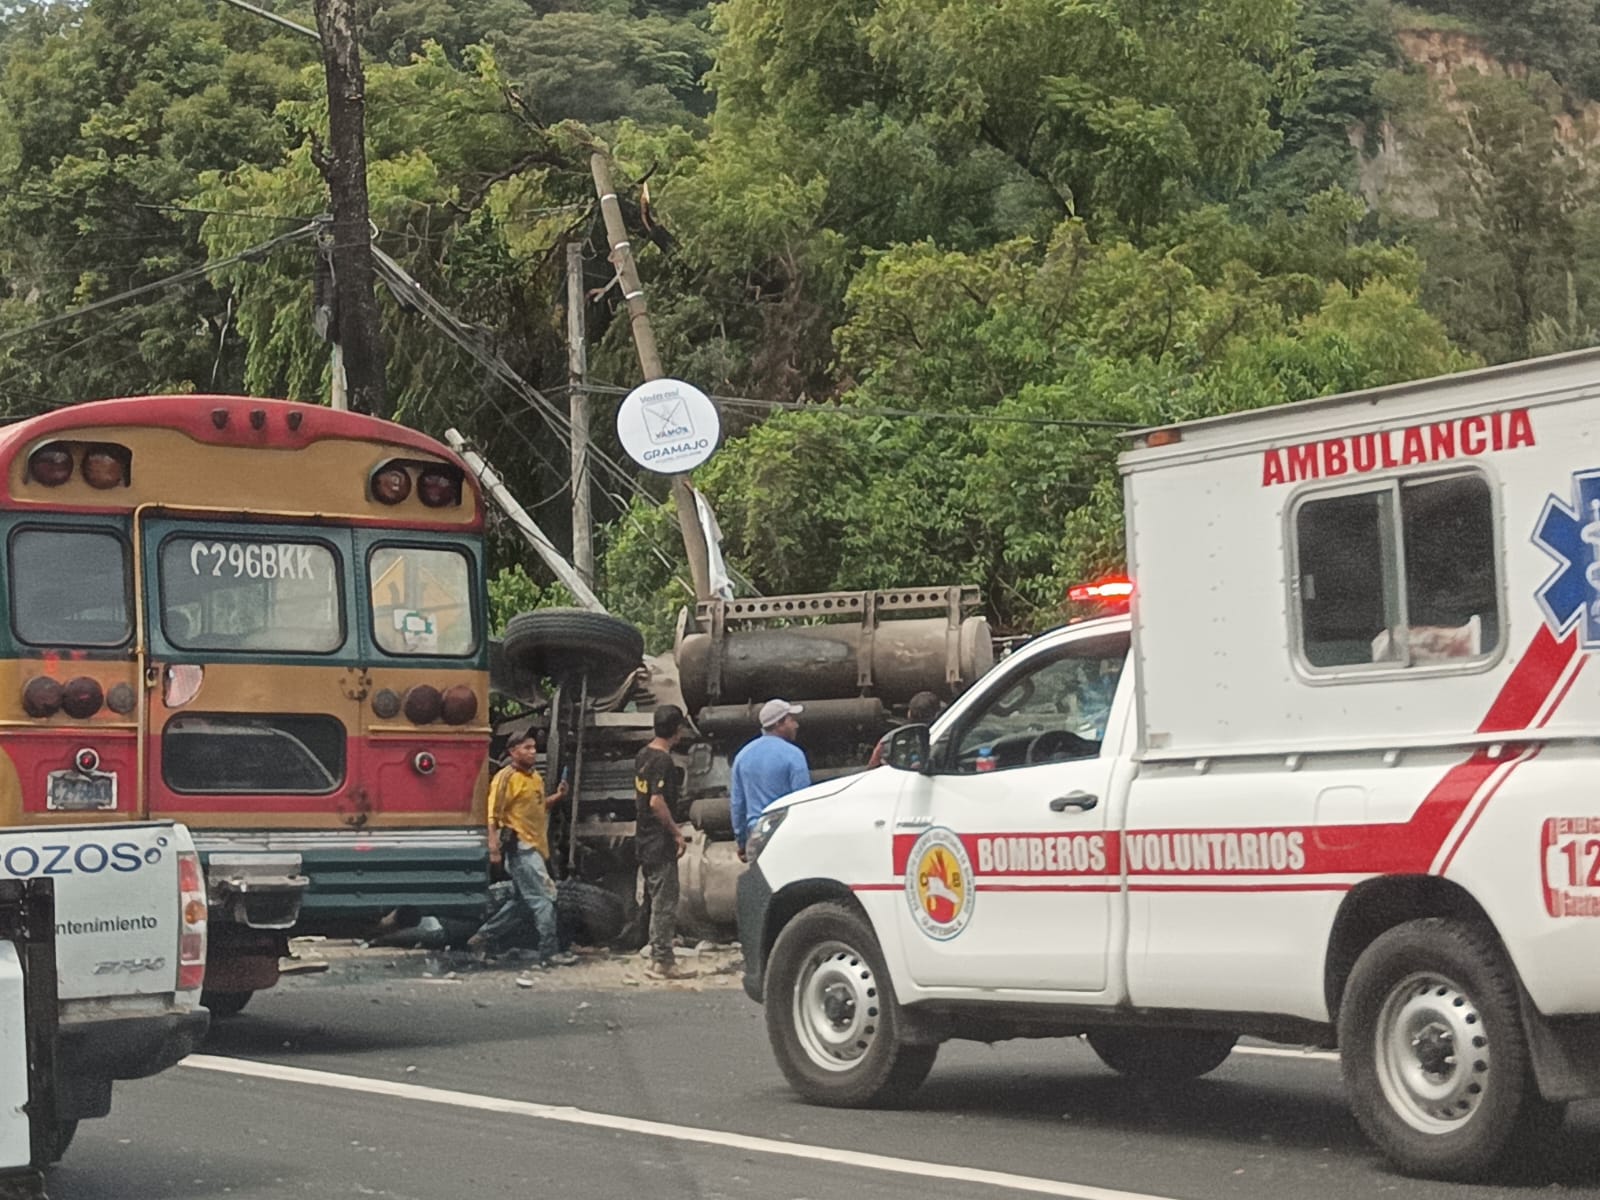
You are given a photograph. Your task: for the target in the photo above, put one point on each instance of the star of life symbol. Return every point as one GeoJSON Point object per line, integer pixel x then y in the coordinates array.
{"type": "Point", "coordinates": [1571, 535]}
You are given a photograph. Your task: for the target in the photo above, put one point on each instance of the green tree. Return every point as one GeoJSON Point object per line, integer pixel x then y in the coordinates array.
{"type": "Point", "coordinates": [1507, 190]}
{"type": "Point", "coordinates": [1561, 37]}
{"type": "Point", "coordinates": [112, 112]}
{"type": "Point", "coordinates": [1347, 46]}
{"type": "Point", "coordinates": [476, 201]}
{"type": "Point", "coordinates": [1017, 366]}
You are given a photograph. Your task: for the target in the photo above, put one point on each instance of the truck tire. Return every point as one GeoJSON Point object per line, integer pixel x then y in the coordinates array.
{"type": "Point", "coordinates": [567, 643]}
{"type": "Point", "coordinates": [589, 914]}
{"type": "Point", "coordinates": [1161, 1055]}
{"type": "Point", "coordinates": [225, 1004]}
{"type": "Point", "coordinates": [832, 1017]}
{"type": "Point", "coordinates": [1434, 1055]}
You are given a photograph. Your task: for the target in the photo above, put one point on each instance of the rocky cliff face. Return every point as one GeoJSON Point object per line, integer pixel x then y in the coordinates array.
{"type": "Point", "coordinates": [1444, 52]}
{"type": "Point", "coordinates": [1385, 171]}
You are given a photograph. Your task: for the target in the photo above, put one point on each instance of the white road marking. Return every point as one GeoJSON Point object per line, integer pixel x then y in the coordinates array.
{"type": "Point", "coordinates": [1288, 1052]}
{"type": "Point", "coordinates": [946, 1172]}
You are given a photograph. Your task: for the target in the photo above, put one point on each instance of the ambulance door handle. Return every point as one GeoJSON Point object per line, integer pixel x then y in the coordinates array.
{"type": "Point", "coordinates": [1082, 801]}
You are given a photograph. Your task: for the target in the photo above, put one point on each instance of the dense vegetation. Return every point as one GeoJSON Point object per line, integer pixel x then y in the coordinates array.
{"type": "Point", "coordinates": [933, 251]}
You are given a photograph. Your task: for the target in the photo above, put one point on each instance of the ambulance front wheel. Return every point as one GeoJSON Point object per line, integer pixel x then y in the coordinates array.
{"type": "Point", "coordinates": [1434, 1055]}
{"type": "Point", "coordinates": [832, 1017]}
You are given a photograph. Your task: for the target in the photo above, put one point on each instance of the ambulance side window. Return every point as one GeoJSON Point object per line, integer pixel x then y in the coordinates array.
{"type": "Point", "coordinates": [1398, 575]}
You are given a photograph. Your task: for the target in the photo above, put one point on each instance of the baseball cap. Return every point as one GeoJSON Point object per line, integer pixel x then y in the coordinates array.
{"type": "Point", "coordinates": [774, 711]}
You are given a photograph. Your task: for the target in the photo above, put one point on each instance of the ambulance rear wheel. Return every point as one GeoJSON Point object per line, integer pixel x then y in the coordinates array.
{"type": "Point", "coordinates": [1161, 1055]}
{"type": "Point", "coordinates": [832, 1017]}
{"type": "Point", "coordinates": [1434, 1055]}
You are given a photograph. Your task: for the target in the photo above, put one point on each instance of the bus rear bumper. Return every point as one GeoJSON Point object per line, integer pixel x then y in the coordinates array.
{"type": "Point", "coordinates": [361, 875]}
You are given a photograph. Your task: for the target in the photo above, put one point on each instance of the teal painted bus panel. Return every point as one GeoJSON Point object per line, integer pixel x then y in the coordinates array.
{"type": "Point", "coordinates": [357, 884]}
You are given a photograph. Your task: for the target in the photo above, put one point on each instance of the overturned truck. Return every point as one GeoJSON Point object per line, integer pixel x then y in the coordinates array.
{"type": "Point", "coordinates": [582, 682]}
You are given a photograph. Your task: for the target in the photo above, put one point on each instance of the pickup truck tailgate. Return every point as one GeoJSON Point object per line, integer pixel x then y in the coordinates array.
{"type": "Point", "coordinates": [117, 896]}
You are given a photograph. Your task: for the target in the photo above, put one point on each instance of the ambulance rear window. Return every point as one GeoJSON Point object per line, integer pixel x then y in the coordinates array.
{"type": "Point", "coordinates": [1398, 575]}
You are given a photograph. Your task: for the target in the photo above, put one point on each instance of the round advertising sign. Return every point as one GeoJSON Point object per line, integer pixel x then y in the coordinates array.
{"type": "Point", "coordinates": [669, 426]}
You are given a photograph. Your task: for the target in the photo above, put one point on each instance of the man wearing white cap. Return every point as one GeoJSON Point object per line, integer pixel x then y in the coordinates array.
{"type": "Point", "coordinates": [767, 768]}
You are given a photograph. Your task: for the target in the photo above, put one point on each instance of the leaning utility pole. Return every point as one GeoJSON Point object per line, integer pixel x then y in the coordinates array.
{"type": "Point", "coordinates": [644, 341]}
{"type": "Point", "coordinates": [578, 406]}
{"type": "Point", "coordinates": [344, 166]}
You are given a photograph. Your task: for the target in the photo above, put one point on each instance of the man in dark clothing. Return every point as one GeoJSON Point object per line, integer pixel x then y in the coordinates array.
{"type": "Point", "coordinates": [922, 710]}
{"type": "Point", "coordinates": [658, 842]}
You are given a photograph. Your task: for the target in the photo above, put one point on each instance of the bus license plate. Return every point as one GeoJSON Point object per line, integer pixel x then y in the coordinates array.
{"type": "Point", "coordinates": [74, 791]}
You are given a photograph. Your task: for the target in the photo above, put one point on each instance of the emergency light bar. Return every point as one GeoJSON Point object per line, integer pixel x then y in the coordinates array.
{"type": "Point", "coordinates": [1113, 587]}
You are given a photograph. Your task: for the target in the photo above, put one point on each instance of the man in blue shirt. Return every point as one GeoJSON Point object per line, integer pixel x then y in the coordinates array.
{"type": "Point", "coordinates": [767, 768]}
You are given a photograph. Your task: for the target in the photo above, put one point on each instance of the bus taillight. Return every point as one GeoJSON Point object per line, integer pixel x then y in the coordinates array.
{"type": "Point", "coordinates": [41, 697]}
{"type": "Point", "coordinates": [106, 467]}
{"type": "Point", "coordinates": [391, 485]}
{"type": "Point", "coordinates": [459, 704]}
{"type": "Point", "coordinates": [82, 698]}
{"type": "Point", "coordinates": [50, 465]}
{"type": "Point", "coordinates": [439, 489]}
{"type": "Point", "coordinates": [423, 704]}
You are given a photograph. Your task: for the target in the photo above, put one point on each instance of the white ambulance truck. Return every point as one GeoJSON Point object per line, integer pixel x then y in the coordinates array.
{"type": "Point", "coordinates": [1332, 780]}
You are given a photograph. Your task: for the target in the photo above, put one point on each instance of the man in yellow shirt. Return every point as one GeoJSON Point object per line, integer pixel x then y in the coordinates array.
{"type": "Point", "coordinates": [517, 803]}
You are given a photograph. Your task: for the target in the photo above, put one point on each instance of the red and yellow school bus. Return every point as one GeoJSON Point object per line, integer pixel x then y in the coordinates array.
{"type": "Point", "coordinates": [263, 619]}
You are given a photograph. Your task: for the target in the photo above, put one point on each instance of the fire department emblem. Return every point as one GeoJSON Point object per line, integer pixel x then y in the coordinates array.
{"type": "Point", "coordinates": [1570, 533]}
{"type": "Point", "coordinates": [939, 884]}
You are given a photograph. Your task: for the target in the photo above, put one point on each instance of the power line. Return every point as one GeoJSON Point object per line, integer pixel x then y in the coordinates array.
{"type": "Point", "coordinates": [411, 294]}
{"type": "Point", "coordinates": [220, 212]}
{"type": "Point", "coordinates": [181, 277]}
{"type": "Point", "coordinates": [843, 410]}
{"type": "Point", "coordinates": [276, 19]}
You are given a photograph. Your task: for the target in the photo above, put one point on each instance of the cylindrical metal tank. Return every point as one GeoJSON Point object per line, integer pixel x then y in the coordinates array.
{"type": "Point", "coordinates": [818, 662]}
{"type": "Point", "coordinates": [861, 717]}
{"type": "Point", "coordinates": [708, 877]}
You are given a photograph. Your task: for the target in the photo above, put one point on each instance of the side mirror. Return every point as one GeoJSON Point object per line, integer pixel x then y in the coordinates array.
{"type": "Point", "coordinates": [908, 749]}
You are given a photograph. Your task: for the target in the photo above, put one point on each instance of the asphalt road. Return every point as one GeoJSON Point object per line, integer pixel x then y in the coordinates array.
{"type": "Point", "coordinates": [361, 1084]}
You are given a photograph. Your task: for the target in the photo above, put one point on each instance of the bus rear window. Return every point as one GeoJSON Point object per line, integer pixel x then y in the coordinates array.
{"type": "Point", "coordinates": [251, 595]}
{"type": "Point", "coordinates": [253, 754]}
{"type": "Point", "coordinates": [422, 601]}
{"type": "Point", "coordinates": [69, 587]}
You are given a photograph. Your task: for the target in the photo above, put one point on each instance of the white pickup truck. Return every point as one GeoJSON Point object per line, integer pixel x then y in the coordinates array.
{"type": "Point", "coordinates": [1327, 781]}
{"type": "Point", "coordinates": [130, 953]}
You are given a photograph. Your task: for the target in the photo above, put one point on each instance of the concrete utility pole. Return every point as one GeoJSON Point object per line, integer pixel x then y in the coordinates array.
{"type": "Point", "coordinates": [344, 166]}
{"type": "Point", "coordinates": [578, 406]}
{"type": "Point", "coordinates": [644, 341]}
{"type": "Point", "coordinates": [497, 491]}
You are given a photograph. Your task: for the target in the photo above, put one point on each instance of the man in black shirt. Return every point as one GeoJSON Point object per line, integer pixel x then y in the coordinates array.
{"type": "Point", "coordinates": [658, 842]}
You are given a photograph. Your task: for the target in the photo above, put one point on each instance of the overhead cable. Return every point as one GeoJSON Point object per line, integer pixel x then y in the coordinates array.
{"type": "Point", "coordinates": [182, 277]}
